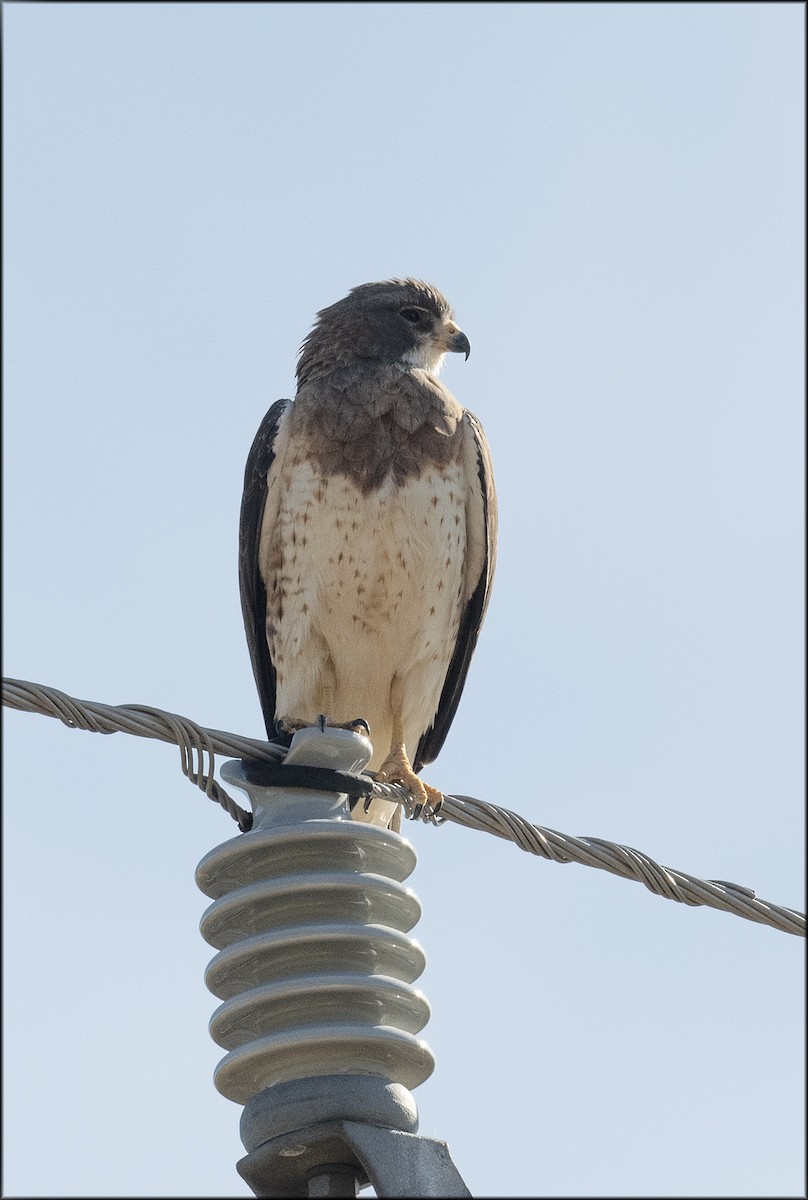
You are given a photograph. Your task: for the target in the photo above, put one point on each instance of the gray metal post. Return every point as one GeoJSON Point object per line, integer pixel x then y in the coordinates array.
{"type": "Point", "coordinates": [315, 967]}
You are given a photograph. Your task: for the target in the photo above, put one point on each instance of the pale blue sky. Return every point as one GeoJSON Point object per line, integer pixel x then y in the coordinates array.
{"type": "Point", "coordinates": [612, 198]}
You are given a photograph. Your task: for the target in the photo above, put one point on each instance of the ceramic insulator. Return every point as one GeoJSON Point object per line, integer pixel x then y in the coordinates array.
{"type": "Point", "coordinates": [311, 919]}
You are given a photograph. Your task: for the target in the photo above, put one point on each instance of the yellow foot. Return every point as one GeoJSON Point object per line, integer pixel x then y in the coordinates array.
{"type": "Point", "coordinates": [286, 726]}
{"type": "Point", "coordinates": [358, 725]}
{"type": "Point", "coordinates": [289, 725]}
{"type": "Point", "coordinates": [396, 769]}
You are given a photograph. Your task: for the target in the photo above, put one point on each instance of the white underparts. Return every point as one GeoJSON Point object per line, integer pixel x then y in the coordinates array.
{"type": "Point", "coordinates": [367, 592]}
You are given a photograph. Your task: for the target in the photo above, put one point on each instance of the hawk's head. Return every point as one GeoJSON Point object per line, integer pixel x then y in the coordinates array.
{"type": "Point", "coordinates": [401, 321]}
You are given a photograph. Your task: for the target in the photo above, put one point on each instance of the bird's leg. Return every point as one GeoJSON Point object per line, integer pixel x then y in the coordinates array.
{"type": "Point", "coordinates": [397, 768]}
{"type": "Point", "coordinates": [286, 726]}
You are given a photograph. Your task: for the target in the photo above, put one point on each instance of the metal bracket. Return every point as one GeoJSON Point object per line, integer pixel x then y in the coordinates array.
{"type": "Point", "coordinates": [336, 1158]}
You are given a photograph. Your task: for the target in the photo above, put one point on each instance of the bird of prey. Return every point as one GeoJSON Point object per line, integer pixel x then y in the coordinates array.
{"type": "Point", "coordinates": [368, 534]}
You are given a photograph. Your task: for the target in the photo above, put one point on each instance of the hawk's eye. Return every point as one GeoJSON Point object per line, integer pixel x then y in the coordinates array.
{"type": "Point", "coordinates": [414, 315]}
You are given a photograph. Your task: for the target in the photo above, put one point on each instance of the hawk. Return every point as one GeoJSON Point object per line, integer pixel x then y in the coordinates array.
{"type": "Point", "coordinates": [368, 534]}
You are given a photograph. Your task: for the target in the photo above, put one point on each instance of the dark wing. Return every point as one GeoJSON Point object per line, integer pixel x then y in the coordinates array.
{"type": "Point", "coordinates": [256, 504]}
{"type": "Point", "coordinates": [481, 550]}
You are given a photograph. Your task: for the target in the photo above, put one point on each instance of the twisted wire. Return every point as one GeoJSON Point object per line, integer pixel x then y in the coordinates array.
{"type": "Point", "coordinates": [198, 747]}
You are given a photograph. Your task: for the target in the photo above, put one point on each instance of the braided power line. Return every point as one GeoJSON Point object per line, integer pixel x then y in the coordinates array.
{"type": "Point", "coordinates": [198, 747]}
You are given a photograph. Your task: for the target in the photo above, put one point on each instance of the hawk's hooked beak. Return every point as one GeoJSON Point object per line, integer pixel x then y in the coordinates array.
{"type": "Point", "coordinates": [456, 340]}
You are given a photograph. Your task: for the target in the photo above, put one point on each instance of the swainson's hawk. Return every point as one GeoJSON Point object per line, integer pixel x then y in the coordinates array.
{"type": "Point", "coordinates": [368, 532]}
